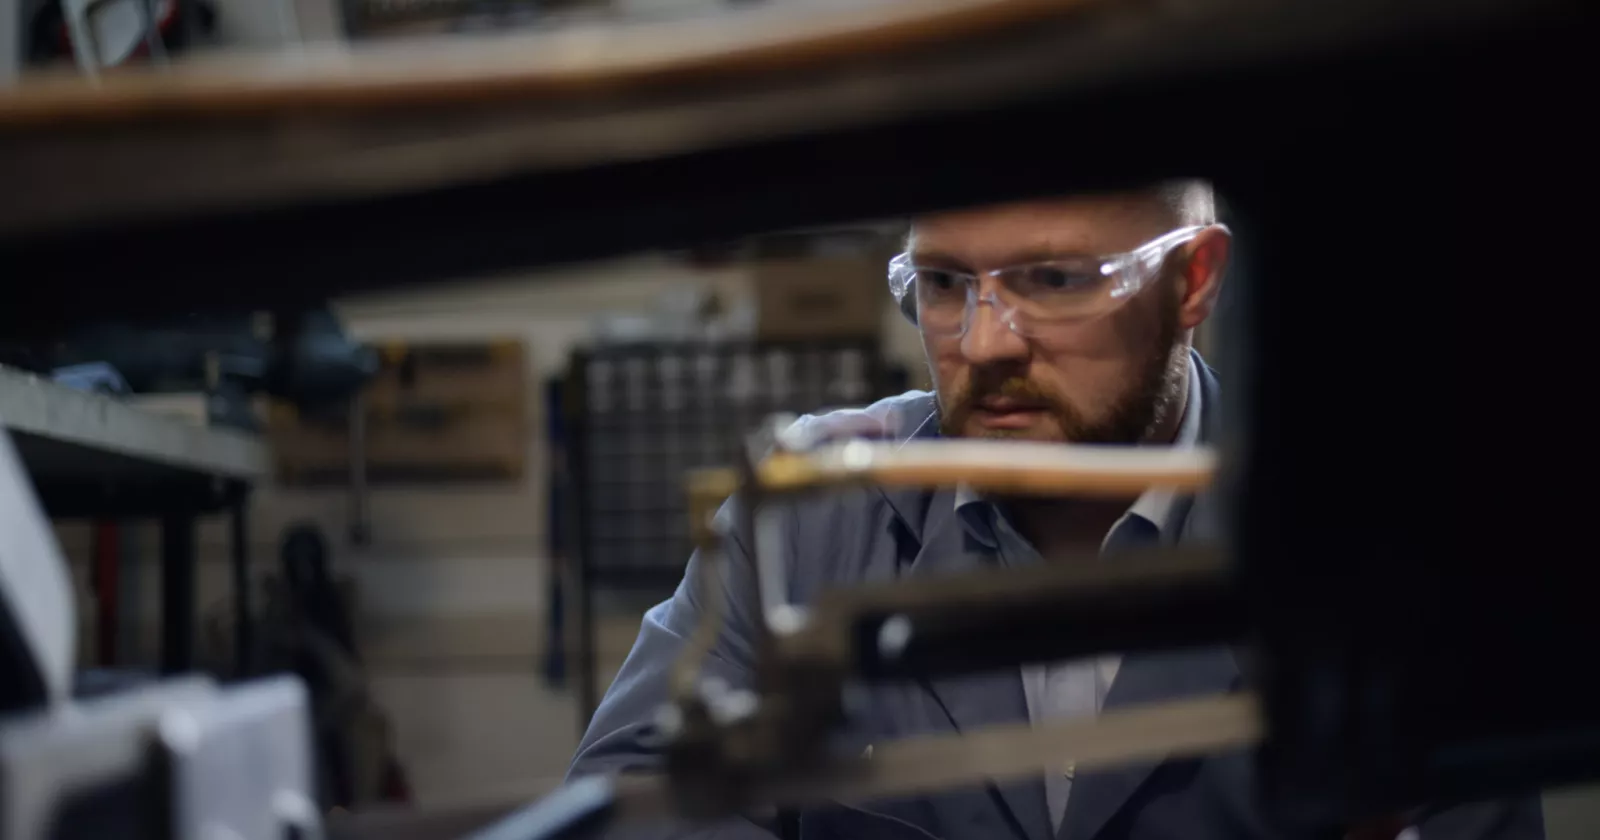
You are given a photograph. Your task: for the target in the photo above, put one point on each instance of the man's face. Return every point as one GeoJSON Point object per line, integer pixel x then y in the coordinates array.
{"type": "Point", "coordinates": [1107, 380]}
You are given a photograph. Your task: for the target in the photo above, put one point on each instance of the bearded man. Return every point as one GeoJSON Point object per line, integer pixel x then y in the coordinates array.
{"type": "Point", "coordinates": [1065, 320]}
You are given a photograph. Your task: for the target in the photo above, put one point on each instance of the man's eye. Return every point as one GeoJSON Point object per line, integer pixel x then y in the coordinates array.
{"type": "Point", "coordinates": [1048, 279]}
{"type": "Point", "coordinates": [938, 281]}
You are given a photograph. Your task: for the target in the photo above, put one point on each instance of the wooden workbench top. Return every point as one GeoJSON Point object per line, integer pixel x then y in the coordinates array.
{"type": "Point", "coordinates": [577, 63]}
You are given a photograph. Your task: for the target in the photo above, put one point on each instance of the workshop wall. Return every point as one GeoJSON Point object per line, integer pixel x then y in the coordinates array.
{"type": "Point", "coordinates": [452, 591]}
{"type": "Point", "coordinates": [457, 555]}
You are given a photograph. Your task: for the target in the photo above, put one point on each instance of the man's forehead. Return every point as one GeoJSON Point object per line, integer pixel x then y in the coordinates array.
{"type": "Point", "coordinates": [1016, 231]}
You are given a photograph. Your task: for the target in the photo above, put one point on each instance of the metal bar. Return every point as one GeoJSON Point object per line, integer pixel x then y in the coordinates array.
{"type": "Point", "coordinates": [152, 31]}
{"type": "Point", "coordinates": [767, 531]}
{"type": "Point", "coordinates": [1162, 598]}
{"type": "Point", "coordinates": [1002, 466]}
{"type": "Point", "coordinates": [563, 551]}
{"type": "Point", "coordinates": [764, 525]}
{"type": "Point", "coordinates": [1011, 466]}
{"type": "Point", "coordinates": [584, 574]}
{"type": "Point", "coordinates": [708, 581]}
{"type": "Point", "coordinates": [922, 764]}
{"type": "Point", "coordinates": [243, 620]}
{"type": "Point", "coordinates": [588, 667]}
{"type": "Point", "coordinates": [360, 496]}
{"type": "Point", "coordinates": [177, 592]}
{"type": "Point", "coordinates": [926, 764]}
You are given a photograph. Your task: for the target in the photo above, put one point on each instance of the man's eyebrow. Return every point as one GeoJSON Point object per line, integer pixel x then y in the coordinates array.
{"type": "Point", "coordinates": [938, 259]}
{"type": "Point", "coordinates": [1024, 256]}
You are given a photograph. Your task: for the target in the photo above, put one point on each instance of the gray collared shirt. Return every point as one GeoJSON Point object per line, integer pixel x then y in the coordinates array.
{"type": "Point", "coordinates": [1079, 687]}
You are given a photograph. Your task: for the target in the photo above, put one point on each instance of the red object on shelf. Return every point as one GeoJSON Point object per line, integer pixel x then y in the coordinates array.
{"type": "Point", "coordinates": [396, 787]}
{"type": "Point", "coordinates": [107, 558]}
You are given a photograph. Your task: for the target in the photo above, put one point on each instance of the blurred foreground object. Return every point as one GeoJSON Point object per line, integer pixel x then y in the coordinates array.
{"type": "Point", "coordinates": [102, 35]}
{"type": "Point", "coordinates": [180, 758]}
{"type": "Point", "coordinates": [1405, 356]}
{"type": "Point", "coordinates": [431, 160]}
{"type": "Point", "coordinates": [166, 760]}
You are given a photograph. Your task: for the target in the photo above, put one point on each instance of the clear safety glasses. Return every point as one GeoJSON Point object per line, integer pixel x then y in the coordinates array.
{"type": "Point", "coordinates": [1031, 298]}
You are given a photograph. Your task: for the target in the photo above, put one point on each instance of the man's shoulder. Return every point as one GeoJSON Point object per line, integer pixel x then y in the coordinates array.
{"type": "Point", "coordinates": [899, 417]}
{"type": "Point", "coordinates": [838, 536]}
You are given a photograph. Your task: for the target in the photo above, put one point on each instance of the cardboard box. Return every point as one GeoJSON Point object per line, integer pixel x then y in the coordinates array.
{"type": "Point", "coordinates": [820, 297]}
{"type": "Point", "coordinates": [435, 412]}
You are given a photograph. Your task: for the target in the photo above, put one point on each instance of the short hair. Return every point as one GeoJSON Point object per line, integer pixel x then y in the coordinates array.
{"type": "Point", "coordinates": [1191, 201]}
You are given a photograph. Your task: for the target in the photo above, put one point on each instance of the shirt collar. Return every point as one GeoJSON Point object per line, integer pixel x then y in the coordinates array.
{"type": "Point", "coordinates": [1158, 505]}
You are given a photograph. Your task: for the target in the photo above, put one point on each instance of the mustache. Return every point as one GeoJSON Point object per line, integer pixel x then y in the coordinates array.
{"type": "Point", "coordinates": [1009, 386]}
{"type": "Point", "coordinates": [1006, 385]}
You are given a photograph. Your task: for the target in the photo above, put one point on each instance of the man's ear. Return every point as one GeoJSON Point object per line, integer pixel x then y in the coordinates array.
{"type": "Point", "coordinates": [1205, 263]}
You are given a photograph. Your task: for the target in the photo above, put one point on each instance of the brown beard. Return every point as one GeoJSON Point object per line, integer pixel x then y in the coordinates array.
{"type": "Point", "coordinates": [1131, 418]}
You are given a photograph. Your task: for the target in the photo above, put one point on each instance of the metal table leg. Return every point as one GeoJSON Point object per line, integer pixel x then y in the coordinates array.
{"type": "Point", "coordinates": [588, 670]}
{"type": "Point", "coordinates": [177, 592]}
{"type": "Point", "coordinates": [239, 538]}
{"type": "Point", "coordinates": [582, 574]}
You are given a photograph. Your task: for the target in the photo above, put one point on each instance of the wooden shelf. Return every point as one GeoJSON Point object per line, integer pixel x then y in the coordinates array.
{"type": "Point", "coordinates": [336, 121]}
{"type": "Point", "coordinates": [577, 63]}
{"type": "Point", "coordinates": [340, 170]}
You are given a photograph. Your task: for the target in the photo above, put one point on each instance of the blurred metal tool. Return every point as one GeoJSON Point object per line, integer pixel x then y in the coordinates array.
{"type": "Point", "coordinates": [178, 759]}
{"type": "Point", "coordinates": [586, 807]}
{"type": "Point", "coordinates": [183, 758]}
{"type": "Point", "coordinates": [106, 32]}
{"type": "Point", "coordinates": [727, 750]}
{"type": "Point", "coordinates": [1017, 467]}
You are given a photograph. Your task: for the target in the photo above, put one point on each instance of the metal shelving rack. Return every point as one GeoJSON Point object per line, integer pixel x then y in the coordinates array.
{"type": "Point", "coordinates": [91, 456]}
{"type": "Point", "coordinates": [640, 416]}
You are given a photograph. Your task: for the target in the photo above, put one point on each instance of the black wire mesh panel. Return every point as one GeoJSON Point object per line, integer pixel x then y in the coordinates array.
{"type": "Point", "coordinates": [643, 415]}
{"type": "Point", "coordinates": [646, 414]}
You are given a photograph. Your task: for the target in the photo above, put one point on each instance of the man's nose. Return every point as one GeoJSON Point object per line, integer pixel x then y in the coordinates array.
{"type": "Point", "coordinates": [988, 337]}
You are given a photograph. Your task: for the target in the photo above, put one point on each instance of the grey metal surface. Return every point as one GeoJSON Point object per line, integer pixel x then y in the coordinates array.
{"type": "Point", "coordinates": [49, 757]}
{"type": "Point", "coordinates": [243, 765]}
{"type": "Point", "coordinates": [66, 433]}
{"type": "Point", "coordinates": [33, 579]}
{"type": "Point", "coordinates": [234, 762]}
